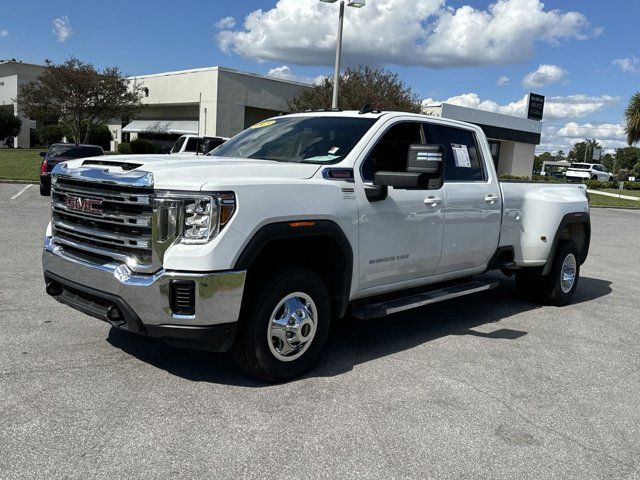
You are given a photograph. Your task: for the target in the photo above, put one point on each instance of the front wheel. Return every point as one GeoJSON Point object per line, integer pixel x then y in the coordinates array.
{"type": "Point", "coordinates": [559, 285]}
{"type": "Point", "coordinates": [284, 325]}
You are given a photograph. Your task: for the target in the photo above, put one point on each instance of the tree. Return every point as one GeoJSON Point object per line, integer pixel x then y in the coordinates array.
{"type": "Point", "coordinates": [538, 160]}
{"type": "Point", "coordinates": [583, 151]}
{"type": "Point", "coordinates": [632, 117]}
{"type": "Point", "coordinates": [10, 125]}
{"type": "Point", "coordinates": [380, 88]}
{"type": "Point", "coordinates": [76, 94]}
{"type": "Point", "coordinates": [608, 161]}
{"type": "Point", "coordinates": [627, 157]}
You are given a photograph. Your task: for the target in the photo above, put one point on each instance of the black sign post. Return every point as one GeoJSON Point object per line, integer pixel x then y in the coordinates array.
{"type": "Point", "coordinates": [535, 107]}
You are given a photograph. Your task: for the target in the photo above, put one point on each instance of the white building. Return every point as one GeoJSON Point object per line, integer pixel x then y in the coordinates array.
{"type": "Point", "coordinates": [13, 74]}
{"type": "Point", "coordinates": [512, 140]}
{"type": "Point", "coordinates": [213, 101]}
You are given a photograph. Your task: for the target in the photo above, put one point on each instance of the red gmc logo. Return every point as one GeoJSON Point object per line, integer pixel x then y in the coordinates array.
{"type": "Point", "coordinates": [88, 205]}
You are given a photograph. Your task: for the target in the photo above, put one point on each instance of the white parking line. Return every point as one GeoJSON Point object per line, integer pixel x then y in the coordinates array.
{"type": "Point", "coordinates": [21, 191]}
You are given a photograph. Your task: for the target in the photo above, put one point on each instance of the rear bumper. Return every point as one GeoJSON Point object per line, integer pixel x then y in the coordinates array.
{"type": "Point", "coordinates": [141, 303]}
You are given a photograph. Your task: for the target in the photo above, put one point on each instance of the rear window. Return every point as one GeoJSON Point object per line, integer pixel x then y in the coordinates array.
{"type": "Point", "coordinates": [580, 166]}
{"type": "Point", "coordinates": [74, 151]}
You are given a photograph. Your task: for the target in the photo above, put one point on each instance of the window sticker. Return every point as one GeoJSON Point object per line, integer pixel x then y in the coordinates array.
{"type": "Point", "coordinates": [263, 124]}
{"type": "Point", "coordinates": [461, 155]}
{"type": "Point", "coordinates": [334, 150]}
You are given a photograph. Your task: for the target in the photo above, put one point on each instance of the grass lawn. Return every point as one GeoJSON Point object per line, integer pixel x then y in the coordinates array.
{"type": "Point", "coordinates": [631, 193]}
{"type": "Point", "coordinates": [604, 201]}
{"type": "Point", "coordinates": [20, 163]}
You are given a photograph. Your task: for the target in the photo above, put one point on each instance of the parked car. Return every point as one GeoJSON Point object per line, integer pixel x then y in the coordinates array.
{"type": "Point", "coordinates": [298, 220]}
{"type": "Point", "coordinates": [192, 144]}
{"type": "Point", "coordinates": [579, 172]}
{"type": "Point", "coordinates": [61, 152]}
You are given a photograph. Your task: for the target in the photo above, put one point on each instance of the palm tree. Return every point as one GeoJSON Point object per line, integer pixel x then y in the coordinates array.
{"type": "Point", "coordinates": [632, 115]}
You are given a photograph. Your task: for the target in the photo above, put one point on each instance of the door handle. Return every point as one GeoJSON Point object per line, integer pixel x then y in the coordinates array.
{"type": "Point", "coordinates": [432, 201]}
{"type": "Point", "coordinates": [491, 199]}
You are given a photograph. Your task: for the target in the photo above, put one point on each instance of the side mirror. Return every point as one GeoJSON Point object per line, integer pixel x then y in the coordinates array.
{"type": "Point", "coordinates": [43, 154]}
{"type": "Point", "coordinates": [424, 170]}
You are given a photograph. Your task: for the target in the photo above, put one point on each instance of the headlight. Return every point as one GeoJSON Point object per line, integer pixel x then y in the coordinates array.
{"type": "Point", "coordinates": [197, 218]}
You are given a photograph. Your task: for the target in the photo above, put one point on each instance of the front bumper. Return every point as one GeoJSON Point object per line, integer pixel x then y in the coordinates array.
{"type": "Point", "coordinates": [141, 303]}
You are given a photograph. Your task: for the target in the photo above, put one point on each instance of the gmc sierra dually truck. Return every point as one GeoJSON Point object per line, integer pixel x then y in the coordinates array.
{"type": "Point", "coordinates": [297, 222]}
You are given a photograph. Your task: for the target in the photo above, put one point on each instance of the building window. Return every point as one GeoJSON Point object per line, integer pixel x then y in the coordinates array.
{"type": "Point", "coordinates": [494, 146]}
{"type": "Point", "coordinates": [146, 91]}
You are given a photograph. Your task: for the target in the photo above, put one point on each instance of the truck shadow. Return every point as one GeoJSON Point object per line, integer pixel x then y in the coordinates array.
{"type": "Point", "coordinates": [354, 342]}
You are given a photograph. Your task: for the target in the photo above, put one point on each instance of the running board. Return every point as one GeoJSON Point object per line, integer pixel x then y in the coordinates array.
{"type": "Point", "coordinates": [382, 309]}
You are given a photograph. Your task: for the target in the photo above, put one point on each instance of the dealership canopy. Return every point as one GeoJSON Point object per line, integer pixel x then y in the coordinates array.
{"type": "Point", "coordinates": [179, 127]}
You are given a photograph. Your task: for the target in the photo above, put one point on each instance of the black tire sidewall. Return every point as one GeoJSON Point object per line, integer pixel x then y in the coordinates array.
{"type": "Point", "coordinates": [255, 323]}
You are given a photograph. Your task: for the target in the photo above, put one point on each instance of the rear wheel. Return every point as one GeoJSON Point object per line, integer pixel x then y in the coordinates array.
{"type": "Point", "coordinates": [284, 325]}
{"type": "Point", "coordinates": [559, 285]}
{"type": "Point", "coordinates": [45, 190]}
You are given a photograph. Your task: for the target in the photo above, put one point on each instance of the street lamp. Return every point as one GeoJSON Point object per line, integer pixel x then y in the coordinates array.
{"type": "Point", "coordinates": [336, 73]}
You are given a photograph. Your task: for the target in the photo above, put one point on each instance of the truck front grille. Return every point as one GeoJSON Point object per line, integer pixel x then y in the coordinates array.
{"type": "Point", "coordinates": [103, 220]}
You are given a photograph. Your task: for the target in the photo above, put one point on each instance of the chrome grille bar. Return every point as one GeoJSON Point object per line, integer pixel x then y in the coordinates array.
{"type": "Point", "coordinates": [98, 235]}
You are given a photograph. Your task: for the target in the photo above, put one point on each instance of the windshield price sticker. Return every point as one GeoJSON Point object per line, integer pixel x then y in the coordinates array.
{"type": "Point", "coordinates": [461, 155]}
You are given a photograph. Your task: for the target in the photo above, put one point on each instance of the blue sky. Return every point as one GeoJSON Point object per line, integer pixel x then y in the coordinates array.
{"type": "Point", "coordinates": [583, 51]}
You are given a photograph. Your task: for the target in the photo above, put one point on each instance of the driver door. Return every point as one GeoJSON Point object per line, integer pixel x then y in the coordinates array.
{"type": "Point", "coordinates": [400, 236]}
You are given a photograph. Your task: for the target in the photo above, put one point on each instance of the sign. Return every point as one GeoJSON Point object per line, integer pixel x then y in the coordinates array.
{"type": "Point", "coordinates": [535, 107]}
{"type": "Point", "coordinates": [597, 153]}
{"type": "Point", "coordinates": [621, 186]}
{"type": "Point", "coordinates": [632, 179]}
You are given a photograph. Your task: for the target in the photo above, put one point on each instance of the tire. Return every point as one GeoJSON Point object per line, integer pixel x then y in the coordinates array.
{"type": "Point", "coordinates": [44, 190]}
{"type": "Point", "coordinates": [559, 285]}
{"type": "Point", "coordinates": [261, 348]}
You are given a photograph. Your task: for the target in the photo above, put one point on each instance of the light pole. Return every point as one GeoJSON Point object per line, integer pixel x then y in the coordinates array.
{"type": "Point", "coordinates": [336, 72]}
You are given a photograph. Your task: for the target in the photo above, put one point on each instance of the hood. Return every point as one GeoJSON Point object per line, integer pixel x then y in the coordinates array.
{"type": "Point", "coordinates": [189, 172]}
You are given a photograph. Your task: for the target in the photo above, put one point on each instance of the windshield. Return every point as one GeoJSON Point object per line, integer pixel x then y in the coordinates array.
{"type": "Point", "coordinates": [580, 166]}
{"type": "Point", "coordinates": [73, 151]}
{"type": "Point", "coordinates": [297, 139]}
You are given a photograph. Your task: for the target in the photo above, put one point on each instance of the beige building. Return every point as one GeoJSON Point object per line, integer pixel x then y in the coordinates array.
{"type": "Point", "coordinates": [13, 74]}
{"type": "Point", "coordinates": [212, 101]}
{"type": "Point", "coordinates": [512, 140]}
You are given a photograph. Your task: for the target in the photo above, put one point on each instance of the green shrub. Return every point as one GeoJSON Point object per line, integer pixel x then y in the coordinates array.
{"type": "Point", "coordinates": [50, 134]}
{"type": "Point", "coordinates": [124, 148]}
{"type": "Point", "coordinates": [99, 134]}
{"type": "Point", "coordinates": [139, 146]}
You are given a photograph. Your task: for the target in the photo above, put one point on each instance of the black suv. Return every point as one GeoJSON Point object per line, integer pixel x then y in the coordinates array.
{"type": "Point", "coordinates": [61, 152]}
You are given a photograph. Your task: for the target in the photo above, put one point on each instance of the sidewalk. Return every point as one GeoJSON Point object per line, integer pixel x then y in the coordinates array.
{"type": "Point", "coordinates": [614, 195]}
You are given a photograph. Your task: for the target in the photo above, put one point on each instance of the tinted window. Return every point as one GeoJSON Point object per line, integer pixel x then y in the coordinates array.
{"type": "Point", "coordinates": [390, 152]}
{"type": "Point", "coordinates": [462, 158]}
{"type": "Point", "coordinates": [298, 139]}
{"type": "Point", "coordinates": [193, 145]}
{"type": "Point", "coordinates": [73, 151]}
{"type": "Point", "coordinates": [580, 166]}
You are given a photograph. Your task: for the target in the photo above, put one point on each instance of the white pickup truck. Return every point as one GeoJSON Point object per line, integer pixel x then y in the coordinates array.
{"type": "Point", "coordinates": [295, 223]}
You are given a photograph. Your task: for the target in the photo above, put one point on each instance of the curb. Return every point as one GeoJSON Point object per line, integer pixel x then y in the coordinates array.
{"type": "Point", "coordinates": [10, 180]}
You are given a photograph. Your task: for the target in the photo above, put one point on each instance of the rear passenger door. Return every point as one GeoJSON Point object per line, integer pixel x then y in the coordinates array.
{"type": "Point", "coordinates": [472, 200]}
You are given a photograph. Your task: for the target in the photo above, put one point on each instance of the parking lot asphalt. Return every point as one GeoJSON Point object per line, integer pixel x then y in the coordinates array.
{"type": "Point", "coordinates": [487, 386]}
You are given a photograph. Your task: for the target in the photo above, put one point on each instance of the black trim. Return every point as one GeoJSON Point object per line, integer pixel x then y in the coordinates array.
{"type": "Point", "coordinates": [503, 257]}
{"type": "Point", "coordinates": [569, 219]}
{"type": "Point", "coordinates": [100, 305]}
{"type": "Point", "coordinates": [509, 134]}
{"type": "Point", "coordinates": [283, 231]}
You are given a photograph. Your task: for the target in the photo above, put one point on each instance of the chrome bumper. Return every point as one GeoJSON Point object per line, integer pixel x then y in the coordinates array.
{"type": "Point", "coordinates": [218, 295]}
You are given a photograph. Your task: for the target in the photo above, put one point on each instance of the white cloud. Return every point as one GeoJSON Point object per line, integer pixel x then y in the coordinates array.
{"type": "Point", "coordinates": [609, 135]}
{"type": "Point", "coordinates": [572, 106]}
{"type": "Point", "coordinates": [544, 75]}
{"type": "Point", "coordinates": [503, 81]}
{"type": "Point", "coordinates": [62, 28]}
{"type": "Point", "coordinates": [4, 33]}
{"type": "Point", "coordinates": [284, 72]}
{"type": "Point", "coordinates": [225, 23]}
{"type": "Point", "coordinates": [627, 65]}
{"type": "Point", "coordinates": [406, 32]}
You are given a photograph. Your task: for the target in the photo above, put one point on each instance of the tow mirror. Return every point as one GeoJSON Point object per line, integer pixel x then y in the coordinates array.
{"type": "Point", "coordinates": [425, 164]}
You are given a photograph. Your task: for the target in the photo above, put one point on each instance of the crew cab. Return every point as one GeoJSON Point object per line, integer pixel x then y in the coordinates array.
{"type": "Point", "coordinates": [299, 221]}
{"type": "Point", "coordinates": [579, 172]}
{"type": "Point", "coordinates": [194, 145]}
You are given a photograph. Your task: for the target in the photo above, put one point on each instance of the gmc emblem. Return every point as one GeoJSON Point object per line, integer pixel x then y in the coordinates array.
{"type": "Point", "coordinates": [88, 205]}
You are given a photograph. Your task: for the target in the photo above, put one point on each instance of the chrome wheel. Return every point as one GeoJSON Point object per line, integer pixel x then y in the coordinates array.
{"type": "Point", "coordinates": [292, 326]}
{"type": "Point", "coordinates": [568, 273]}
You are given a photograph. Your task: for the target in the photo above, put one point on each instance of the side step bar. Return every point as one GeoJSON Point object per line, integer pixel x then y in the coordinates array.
{"type": "Point", "coordinates": [382, 309]}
